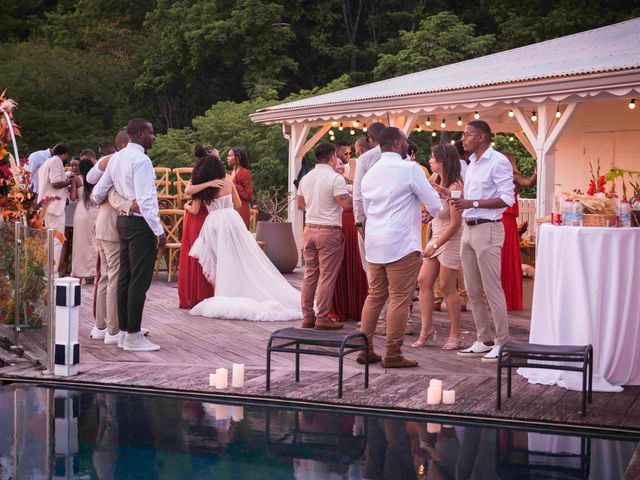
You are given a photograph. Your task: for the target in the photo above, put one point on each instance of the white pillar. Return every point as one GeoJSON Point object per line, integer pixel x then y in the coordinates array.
{"type": "Point", "coordinates": [296, 134]}
{"type": "Point", "coordinates": [67, 348]}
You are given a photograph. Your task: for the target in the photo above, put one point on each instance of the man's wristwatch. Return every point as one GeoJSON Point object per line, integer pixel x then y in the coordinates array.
{"type": "Point", "coordinates": [475, 204]}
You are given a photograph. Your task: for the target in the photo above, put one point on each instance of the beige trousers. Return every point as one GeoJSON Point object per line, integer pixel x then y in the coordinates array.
{"type": "Point", "coordinates": [56, 222]}
{"type": "Point", "coordinates": [107, 288]}
{"type": "Point", "coordinates": [481, 252]}
{"type": "Point", "coordinates": [395, 281]}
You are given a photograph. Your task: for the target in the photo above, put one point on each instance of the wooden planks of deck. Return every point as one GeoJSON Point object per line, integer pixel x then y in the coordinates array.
{"type": "Point", "coordinates": [193, 347]}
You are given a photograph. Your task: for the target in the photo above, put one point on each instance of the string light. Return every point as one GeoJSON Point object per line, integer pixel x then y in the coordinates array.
{"type": "Point", "coordinates": [459, 122]}
{"type": "Point", "coordinates": [433, 134]}
{"type": "Point", "coordinates": [511, 139]}
{"type": "Point", "coordinates": [352, 132]}
{"type": "Point", "coordinates": [453, 142]}
{"type": "Point", "coordinates": [558, 114]}
{"type": "Point", "coordinates": [534, 116]}
{"type": "Point", "coordinates": [364, 128]}
{"type": "Point", "coordinates": [418, 128]}
{"type": "Point", "coordinates": [332, 138]}
{"type": "Point", "coordinates": [340, 127]}
{"type": "Point", "coordinates": [355, 123]}
{"type": "Point", "coordinates": [511, 114]}
{"type": "Point", "coordinates": [428, 122]}
{"type": "Point", "coordinates": [493, 144]}
{"type": "Point", "coordinates": [476, 115]}
{"type": "Point", "coordinates": [443, 124]}
{"type": "Point", "coordinates": [632, 104]}
{"type": "Point", "coordinates": [331, 133]}
{"type": "Point", "coordinates": [334, 123]}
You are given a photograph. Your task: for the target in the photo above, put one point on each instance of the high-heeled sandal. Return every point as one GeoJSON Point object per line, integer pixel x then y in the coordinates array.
{"type": "Point", "coordinates": [423, 339]}
{"type": "Point", "coordinates": [453, 343]}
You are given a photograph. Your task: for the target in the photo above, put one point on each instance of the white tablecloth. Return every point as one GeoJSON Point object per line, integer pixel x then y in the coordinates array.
{"type": "Point", "coordinates": [587, 290]}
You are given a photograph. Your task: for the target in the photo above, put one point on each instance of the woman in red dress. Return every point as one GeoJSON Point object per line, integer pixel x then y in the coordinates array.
{"type": "Point", "coordinates": [511, 268]}
{"type": "Point", "coordinates": [193, 287]}
{"type": "Point", "coordinates": [238, 160]}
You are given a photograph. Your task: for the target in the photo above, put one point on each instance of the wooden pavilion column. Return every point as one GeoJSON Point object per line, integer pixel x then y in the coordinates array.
{"type": "Point", "coordinates": [543, 141]}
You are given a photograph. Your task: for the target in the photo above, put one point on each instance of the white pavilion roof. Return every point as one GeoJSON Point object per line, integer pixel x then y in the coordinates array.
{"type": "Point", "coordinates": [614, 48]}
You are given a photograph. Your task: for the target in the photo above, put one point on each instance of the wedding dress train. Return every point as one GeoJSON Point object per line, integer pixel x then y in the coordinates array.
{"type": "Point", "coordinates": [247, 285]}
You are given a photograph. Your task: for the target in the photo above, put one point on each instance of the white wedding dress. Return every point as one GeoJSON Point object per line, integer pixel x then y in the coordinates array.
{"type": "Point", "coordinates": [247, 285]}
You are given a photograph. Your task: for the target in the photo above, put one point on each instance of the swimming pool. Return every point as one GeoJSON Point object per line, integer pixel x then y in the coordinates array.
{"type": "Point", "coordinates": [60, 433]}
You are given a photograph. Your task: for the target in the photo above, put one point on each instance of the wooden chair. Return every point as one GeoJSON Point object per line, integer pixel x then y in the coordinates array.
{"type": "Point", "coordinates": [183, 176]}
{"type": "Point", "coordinates": [163, 185]}
{"type": "Point", "coordinates": [253, 220]}
{"type": "Point", "coordinates": [171, 220]}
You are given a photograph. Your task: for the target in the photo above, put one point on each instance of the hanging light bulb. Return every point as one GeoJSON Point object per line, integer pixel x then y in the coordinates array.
{"type": "Point", "coordinates": [433, 134]}
{"type": "Point", "coordinates": [534, 116]}
{"type": "Point", "coordinates": [355, 124]}
{"type": "Point", "coordinates": [340, 127]}
{"type": "Point", "coordinates": [459, 122]}
{"type": "Point", "coordinates": [334, 123]}
{"type": "Point", "coordinates": [632, 104]}
{"type": "Point", "coordinates": [493, 144]}
{"type": "Point", "coordinates": [352, 132]}
{"type": "Point", "coordinates": [332, 138]}
{"type": "Point", "coordinates": [476, 115]}
{"type": "Point", "coordinates": [511, 114]}
{"type": "Point", "coordinates": [428, 122]}
{"type": "Point", "coordinates": [511, 139]}
{"type": "Point", "coordinates": [443, 124]}
{"type": "Point", "coordinates": [558, 114]}
{"type": "Point", "coordinates": [331, 133]}
{"type": "Point", "coordinates": [364, 128]}
{"type": "Point", "coordinates": [453, 142]}
{"type": "Point", "coordinates": [418, 128]}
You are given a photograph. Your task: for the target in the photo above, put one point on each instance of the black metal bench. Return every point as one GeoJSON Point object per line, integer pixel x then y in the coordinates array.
{"type": "Point", "coordinates": [289, 340]}
{"type": "Point", "coordinates": [529, 355]}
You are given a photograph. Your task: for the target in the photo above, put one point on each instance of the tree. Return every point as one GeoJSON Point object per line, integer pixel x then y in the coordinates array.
{"type": "Point", "coordinates": [440, 40]}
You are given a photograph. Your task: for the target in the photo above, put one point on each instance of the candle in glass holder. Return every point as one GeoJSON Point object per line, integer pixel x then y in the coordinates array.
{"type": "Point", "coordinates": [434, 383]}
{"type": "Point", "coordinates": [222, 378]}
{"type": "Point", "coordinates": [434, 396]}
{"type": "Point", "coordinates": [237, 375]}
{"type": "Point", "coordinates": [449, 397]}
{"type": "Point", "coordinates": [212, 379]}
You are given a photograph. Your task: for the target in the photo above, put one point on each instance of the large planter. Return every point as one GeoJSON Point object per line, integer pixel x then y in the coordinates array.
{"type": "Point", "coordinates": [280, 245]}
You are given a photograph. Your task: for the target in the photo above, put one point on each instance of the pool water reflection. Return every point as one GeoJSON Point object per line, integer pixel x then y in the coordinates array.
{"type": "Point", "coordinates": [87, 434]}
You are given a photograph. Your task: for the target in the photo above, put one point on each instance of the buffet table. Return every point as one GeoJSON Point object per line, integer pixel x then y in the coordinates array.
{"type": "Point", "coordinates": [587, 290]}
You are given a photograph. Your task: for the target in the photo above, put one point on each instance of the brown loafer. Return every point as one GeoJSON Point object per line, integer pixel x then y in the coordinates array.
{"type": "Point", "coordinates": [373, 358]}
{"type": "Point", "coordinates": [325, 324]}
{"type": "Point", "coordinates": [308, 322]}
{"type": "Point", "coordinates": [399, 362]}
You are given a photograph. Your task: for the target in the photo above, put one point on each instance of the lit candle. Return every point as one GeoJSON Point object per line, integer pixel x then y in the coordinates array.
{"type": "Point", "coordinates": [221, 412]}
{"type": "Point", "coordinates": [433, 383]}
{"type": "Point", "coordinates": [237, 413]}
{"type": "Point", "coordinates": [433, 396]}
{"type": "Point", "coordinates": [222, 378]}
{"type": "Point", "coordinates": [237, 375]}
{"type": "Point", "coordinates": [449, 397]}
{"type": "Point", "coordinates": [433, 428]}
{"type": "Point", "coordinates": [212, 379]}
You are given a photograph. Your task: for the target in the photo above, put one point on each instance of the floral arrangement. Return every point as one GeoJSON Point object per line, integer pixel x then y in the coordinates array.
{"type": "Point", "coordinates": [274, 203]}
{"type": "Point", "coordinates": [597, 200]}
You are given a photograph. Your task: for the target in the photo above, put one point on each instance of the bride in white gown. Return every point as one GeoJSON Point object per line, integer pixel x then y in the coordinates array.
{"type": "Point", "coordinates": [247, 285]}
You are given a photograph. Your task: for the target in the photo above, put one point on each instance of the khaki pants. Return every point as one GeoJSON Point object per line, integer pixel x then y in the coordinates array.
{"type": "Point", "coordinates": [56, 222]}
{"type": "Point", "coordinates": [395, 281]}
{"type": "Point", "coordinates": [323, 250]}
{"type": "Point", "coordinates": [107, 288]}
{"type": "Point", "coordinates": [481, 252]}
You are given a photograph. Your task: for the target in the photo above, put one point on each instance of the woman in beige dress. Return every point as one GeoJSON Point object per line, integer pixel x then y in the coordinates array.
{"type": "Point", "coordinates": [442, 253]}
{"type": "Point", "coordinates": [85, 254]}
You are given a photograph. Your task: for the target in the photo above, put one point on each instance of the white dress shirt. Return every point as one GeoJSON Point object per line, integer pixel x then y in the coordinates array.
{"type": "Point", "coordinates": [363, 164]}
{"type": "Point", "coordinates": [463, 169]}
{"type": "Point", "coordinates": [319, 188]}
{"type": "Point", "coordinates": [95, 174]}
{"type": "Point", "coordinates": [490, 176]}
{"type": "Point", "coordinates": [131, 173]}
{"type": "Point", "coordinates": [392, 191]}
{"type": "Point", "coordinates": [36, 160]}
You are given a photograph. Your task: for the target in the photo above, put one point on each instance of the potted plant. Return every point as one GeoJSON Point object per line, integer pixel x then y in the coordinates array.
{"type": "Point", "coordinates": [276, 232]}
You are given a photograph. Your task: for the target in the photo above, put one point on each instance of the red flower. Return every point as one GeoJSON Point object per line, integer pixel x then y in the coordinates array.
{"type": "Point", "coordinates": [592, 188]}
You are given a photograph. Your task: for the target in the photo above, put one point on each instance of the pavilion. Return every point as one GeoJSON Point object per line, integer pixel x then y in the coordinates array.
{"type": "Point", "coordinates": [570, 101]}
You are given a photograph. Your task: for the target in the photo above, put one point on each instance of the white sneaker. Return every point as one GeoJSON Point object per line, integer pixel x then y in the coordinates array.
{"type": "Point", "coordinates": [492, 356]}
{"type": "Point", "coordinates": [478, 349]}
{"type": "Point", "coordinates": [121, 339]}
{"type": "Point", "coordinates": [136, 342]}
{"type": "Point", "coordinates": [112, 339]}
{"type": "Point", "coordinates": [98, 334]}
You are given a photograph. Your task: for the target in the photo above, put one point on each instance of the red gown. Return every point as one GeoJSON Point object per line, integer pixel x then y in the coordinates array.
{"type": "Point", "coordinates": [351, 285]}
{"type": "Point", "coordinates": [511, 268]}
{"type": "Point", "coordinates": [193, 287]}
{"type": "Point", "coordinates": [244, 185]}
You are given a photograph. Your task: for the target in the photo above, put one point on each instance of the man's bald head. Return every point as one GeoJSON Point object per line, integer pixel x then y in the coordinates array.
{"type": "Point", "coordinates": [122, 138]}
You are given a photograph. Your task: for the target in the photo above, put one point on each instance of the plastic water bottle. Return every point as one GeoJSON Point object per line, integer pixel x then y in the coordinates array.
{"type": "Point", "coordinates": [578, 211]}
{"type": "Point", "coordinates": [567, 213]}
{"type": "Point", "coordinates": [624, 214]}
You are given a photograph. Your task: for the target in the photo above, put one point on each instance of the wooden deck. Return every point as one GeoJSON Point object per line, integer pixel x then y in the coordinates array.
{"type": "Point", "coordinates": [193, 347]}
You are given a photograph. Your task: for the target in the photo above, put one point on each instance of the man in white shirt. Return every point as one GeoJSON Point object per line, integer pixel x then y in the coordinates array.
{"type": "Point", "coordinates": [323, 194]}
{"type": "Point", "coordinates": [488, 191]}
{"type": "Point", "coordinates": [36, 160]}
{"type": "Point", "coordinates": [130, 172]}
{"type": "Point", "coordinates": [53, 183]}
{"type": "Point", "coordinates": [364, 163]}
{"type": "Point", "coordinates": [392, 191]}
